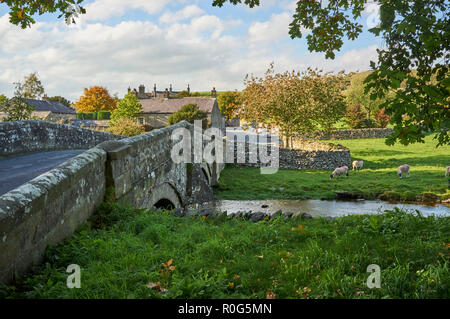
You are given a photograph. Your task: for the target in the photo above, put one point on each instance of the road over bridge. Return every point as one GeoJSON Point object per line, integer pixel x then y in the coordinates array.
{"type": "Point", "coordinates": [15, 171]}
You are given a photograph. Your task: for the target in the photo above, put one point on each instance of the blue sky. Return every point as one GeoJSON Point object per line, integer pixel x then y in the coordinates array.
{"type": "Point", "coordinates": [127, 43]}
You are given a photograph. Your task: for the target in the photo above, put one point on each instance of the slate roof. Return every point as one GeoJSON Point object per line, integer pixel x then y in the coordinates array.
{"type": "Point", "coordinates": [50, 106]}
{"type": "Point", "coordinates": [172, 105]}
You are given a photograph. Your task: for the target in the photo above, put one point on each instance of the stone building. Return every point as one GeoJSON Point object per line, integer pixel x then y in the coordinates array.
{"type": "Point", "coordinates": [46, 110]}
{"type": "Point", "coordinates": [159, 105]}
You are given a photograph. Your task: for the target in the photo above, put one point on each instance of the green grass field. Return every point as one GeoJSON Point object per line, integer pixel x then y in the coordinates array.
{"type": "Point", "coordinates": [121, 252]}
{"type": "Point", "coordinates": [378, 177]}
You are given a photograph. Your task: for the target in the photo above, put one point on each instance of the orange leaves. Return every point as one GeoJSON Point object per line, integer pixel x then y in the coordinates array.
{"type": "Point", "coordinates": [157, 285]}
{"type": "Point", "coordinates": [167, 265]}
{"type": "Point", "coordinates": [299, 227]}
{"type": "Point", "coordinates": [270, 294]}
{"type": "Point", "coordinates": [20, 14]}
{"type": "Point", "coordinates": [166, 273]}
{"type": "Point", "coordinates": [304, 292]}
{"type": "Point", "coordinates": [95, 99]}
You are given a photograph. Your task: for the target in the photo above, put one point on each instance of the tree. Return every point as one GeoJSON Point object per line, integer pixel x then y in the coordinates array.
{"type": "Point", "coordinates": [128, 107]}
{"type": "Point", "coordinates": [17, 109]}
{"type": "Point", "coordinates": [356, 94]}
{"type": "Point", "coordinates": [3, 99]}
{"type": "Point", "coordinates": [125, 126]}
{"type": "Point", "coordinates": [183, 93]}
{"type": "Point", "coordinates": [229, 103]}
{"type": "Point", "coordinates": [22, 11]}
{"type": "Point", "coordinates": [295, 102]}
{"type": "Point", "coordinates": [95, 99]}
{"type": "Point", "coordinates": [61, 100]}
{"type": "Point", "coordinates": [190, 113]}
{"type": "Point", "coordinates": [416, 53]}
{"type": "Point", "coordinates": [32, 87]}
{"type": "Point", "coordinates": [355, 116]}
{"type": "Point", "coordinates": [382, 118]}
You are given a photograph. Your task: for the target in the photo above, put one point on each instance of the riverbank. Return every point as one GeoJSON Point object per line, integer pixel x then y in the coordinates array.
{"type": "Point", "coordinates": [377, 180]}
{"type": "Point", "coordinates": [131, 253]}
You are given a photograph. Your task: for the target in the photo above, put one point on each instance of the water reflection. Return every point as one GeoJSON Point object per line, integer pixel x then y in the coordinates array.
{"type": "Point", "coordinates": [325, 208]}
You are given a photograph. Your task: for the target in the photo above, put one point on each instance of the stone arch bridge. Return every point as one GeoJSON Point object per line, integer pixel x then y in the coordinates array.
{"type": "Point", "coordinates": [137, 170]}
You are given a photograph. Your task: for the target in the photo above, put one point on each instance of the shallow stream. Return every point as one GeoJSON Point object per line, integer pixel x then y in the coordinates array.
{"type": "Point", "coordinates": [324, 208]}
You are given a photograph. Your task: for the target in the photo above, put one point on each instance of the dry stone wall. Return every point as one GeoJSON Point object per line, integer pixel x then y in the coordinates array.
{"type": "Point", "coordinates": [303, 155]}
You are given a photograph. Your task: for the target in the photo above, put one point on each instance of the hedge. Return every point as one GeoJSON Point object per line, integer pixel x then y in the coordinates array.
{"type": "Point", "coordinates": [101, 115]}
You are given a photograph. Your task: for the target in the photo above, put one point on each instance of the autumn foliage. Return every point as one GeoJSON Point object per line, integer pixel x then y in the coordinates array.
{"type": "Point", "coordinates": [295, 102]}
{"type": "Point", "coordinates": [229, 103]}
{"type": "Point", "coordinates": [95, 99]}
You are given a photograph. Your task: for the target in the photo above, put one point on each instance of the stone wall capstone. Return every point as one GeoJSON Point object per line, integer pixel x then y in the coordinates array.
{"type": "Point", "coordinates": [350, 134]}
{"type": "Point", "coordinates": [47, 210]}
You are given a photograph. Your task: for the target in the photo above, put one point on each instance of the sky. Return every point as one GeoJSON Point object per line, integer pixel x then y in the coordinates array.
{"type": "Point", "coordinates": [120, 44]}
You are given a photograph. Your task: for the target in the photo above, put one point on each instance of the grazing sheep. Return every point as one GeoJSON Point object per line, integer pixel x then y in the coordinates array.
{"type": "Point", "coordinates": [447, 171]}
{"type": "Point", "coordinates": [402, 169]}
{"type": "Point", "coordinates": [357, 165]}
{"type": "Point", "coordinates": [340, 171]}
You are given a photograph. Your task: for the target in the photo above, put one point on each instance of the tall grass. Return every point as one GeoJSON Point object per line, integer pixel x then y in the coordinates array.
{"type": "Point", "coordinates": [378, 177]}
{"type": "Point", "coordinates": [123, 249]}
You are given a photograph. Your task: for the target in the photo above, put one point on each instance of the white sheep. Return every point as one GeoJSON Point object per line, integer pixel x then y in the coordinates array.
{"type": "Point", "coordinates": [402, 169]}
{"type": "Point", "coordinates": [340, 171]}
{"type": "Point", "coordinates": [447, 171]}
{"type": "Point", "coordinates": [357, 165]}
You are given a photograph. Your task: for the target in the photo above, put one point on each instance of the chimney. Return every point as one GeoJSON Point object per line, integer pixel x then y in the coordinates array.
{"type": "Point", "coordinates": [188, 89]}
{"type": "Point", "coordinates": [141, 91]}
{"type": "Point", "coordinates": [154, 90]}
{"type": "Point", "coordinates": [45, 97]}
{"type": "Point", "coordinates": [166, 93]}
{"type": "Point", "coordinates": [213, 92]}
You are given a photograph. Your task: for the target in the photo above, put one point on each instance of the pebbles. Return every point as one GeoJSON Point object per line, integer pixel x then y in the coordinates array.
{"type": "Point", "coordinates": [247, 215]}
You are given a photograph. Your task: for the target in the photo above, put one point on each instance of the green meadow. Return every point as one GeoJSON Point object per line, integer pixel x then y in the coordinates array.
{"type": "Point", "coordinates": [133, 253]}
{"type": "Point", "coordinates": [377, 179]}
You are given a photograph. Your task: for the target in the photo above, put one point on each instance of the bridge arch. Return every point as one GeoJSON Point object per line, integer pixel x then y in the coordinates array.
{"type": "Point", "coordinates": [165, 196]}
{"type": "Point", "coordinates": [206, 171]}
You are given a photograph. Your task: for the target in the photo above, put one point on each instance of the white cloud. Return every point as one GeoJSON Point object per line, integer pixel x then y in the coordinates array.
{"type": "Point", "coordinates": [103, 9]}
{"type": "Point", "coordinates": [186, 46]}
{"type": "Point", "coordinates": [274, 29]}
{"type": "Point", "coordinates": [183, 14]}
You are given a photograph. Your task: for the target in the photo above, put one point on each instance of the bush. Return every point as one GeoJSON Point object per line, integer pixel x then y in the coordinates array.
{"type": "Point", "coordinates": [368, 123]}
{"type": "Point", "coordinates": [126, 127]}
{"type": "Point", "coordinates": [382, 118]}
{"type": "Point", "coordinates": [86, 116]}
{"type": "Point", "coordinates": [190, 113]}
{"type": "Point", "coordinates": [103, 115]}
{"type": "Point", "coordinates": [355, 116]}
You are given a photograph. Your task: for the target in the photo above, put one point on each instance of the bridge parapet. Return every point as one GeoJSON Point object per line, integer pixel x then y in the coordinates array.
{"type": "Point", "coordinates": [39, 136]}
{"type": "Point", "coordinates": [139, 170]}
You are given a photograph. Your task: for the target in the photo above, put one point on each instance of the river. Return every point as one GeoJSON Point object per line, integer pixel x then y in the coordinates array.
{"type": "Point", "coordinates": [325, 208]}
